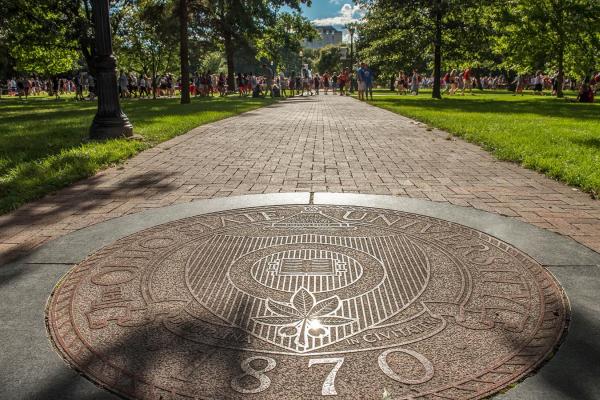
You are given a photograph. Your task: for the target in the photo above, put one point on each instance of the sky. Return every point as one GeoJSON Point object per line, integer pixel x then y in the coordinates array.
{"type": "Point", "coordinates": [333, 12]}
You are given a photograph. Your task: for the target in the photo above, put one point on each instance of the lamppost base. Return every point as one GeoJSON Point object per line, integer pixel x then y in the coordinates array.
{"type": "Point", "coordinates": [113, 127]}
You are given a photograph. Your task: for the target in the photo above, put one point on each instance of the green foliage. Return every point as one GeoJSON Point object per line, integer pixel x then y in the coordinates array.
{"type": "Point", "coordinates": [406, 34]}
{"type": "Point", "coordinates": [213, 62]}
{"type": "Point", "coordinates": [284, 37]}
{"type": "Point", "coordinates": [329, 60]}
{"type": "Point", "coordinates": [517, 35]}
{"type": "Point", "coordinates": [43, 60]}
{"type": "Point", "coordinates": [390, 40]}
{"type": "Point", "coordinates": [146, 39]}
{"type": "Point", "coordinates": [235, 24]}
{"type": "Point", "coordinates": [44, 37]}
{"type": "Point", "coordinates": [38, 41]}
{"type": "Point", "coordinates": [548, 35]}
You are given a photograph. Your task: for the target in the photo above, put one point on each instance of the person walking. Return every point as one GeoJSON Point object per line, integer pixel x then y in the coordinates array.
{"type": "Point", "coordinates": [268, 74]}
{"type": "Point", "coordinates": [283, 84]}
{"type": "Point", "coordinates": [360, 77]}
{"type": "Point", "coordinates": [78, 87]}
{"type": "Point", "coordinates": [368, 77]}
{"type": "Point", "coordinates": [342, 81]}
{"type": "Point", "coordinates": [123, 83]}
{"type": "Point", "coordinates": [142, 81]}
{"type": "Point", "coordinates": [221, 85]}
{"type": "Point", "coordinates": [334, 82]}
{"type": "Point", "coordinates": [292, 83]}
{"type": "Point", "coordinates": [467, 81]}
{"type": "Point", "coordinates": [326, 82]}
{"type": "Point", "coordinates": [414, 83]}
{"type": "Point", "coordinates": [519, 84]}
{"type": "Point", "coordinates": [538, 83]}
{"type": "Point", "coordinates": [317, 83]}
{"type": "Point", "coordinates": [56, 87]}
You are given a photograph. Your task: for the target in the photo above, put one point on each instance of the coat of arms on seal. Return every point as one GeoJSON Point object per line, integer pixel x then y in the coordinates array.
{"type": "Point", "coordinates": [257, 301]}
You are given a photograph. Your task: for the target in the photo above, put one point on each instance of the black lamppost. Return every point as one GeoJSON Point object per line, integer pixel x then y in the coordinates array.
{"type": "Point", "coordinates": [110, 121]}
{"type": "Point", "coordinates": [351, 31]}
{"type": "Point", "coordinates": [301, 63]}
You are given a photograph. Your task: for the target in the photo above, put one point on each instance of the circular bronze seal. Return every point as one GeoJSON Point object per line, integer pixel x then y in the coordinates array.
{"type": "Point", "coordinates": [298, 302]}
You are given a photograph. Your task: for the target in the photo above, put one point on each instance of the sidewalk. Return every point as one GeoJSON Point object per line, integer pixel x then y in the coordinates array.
{"type": "Point", "coordinates": [316, 144]}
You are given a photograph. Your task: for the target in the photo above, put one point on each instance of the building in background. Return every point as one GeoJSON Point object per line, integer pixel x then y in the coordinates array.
{"type": "Point", "coordinates": [328, 36]}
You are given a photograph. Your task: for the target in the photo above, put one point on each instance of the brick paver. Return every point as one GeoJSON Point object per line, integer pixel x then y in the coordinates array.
{"type": "Point", "coordinates": [321, 143]}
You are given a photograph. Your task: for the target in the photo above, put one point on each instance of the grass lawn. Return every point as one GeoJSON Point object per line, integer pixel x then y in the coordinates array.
{"type": "Point", "coordinates": [553, 136]}
{"type": "Point", "coordinates": [43, 147]}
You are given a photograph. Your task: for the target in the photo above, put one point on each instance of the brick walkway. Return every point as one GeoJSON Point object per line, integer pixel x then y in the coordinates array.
{"type": "Point", "coordinates": [325, 143]}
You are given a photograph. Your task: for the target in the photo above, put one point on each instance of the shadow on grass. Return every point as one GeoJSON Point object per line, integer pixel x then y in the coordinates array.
{"type": "Point", "coordinates": [593, 143]}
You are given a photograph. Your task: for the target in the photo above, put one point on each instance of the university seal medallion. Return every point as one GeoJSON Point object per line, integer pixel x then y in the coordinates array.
{"type": "Point", "coordinates": [298, 302]}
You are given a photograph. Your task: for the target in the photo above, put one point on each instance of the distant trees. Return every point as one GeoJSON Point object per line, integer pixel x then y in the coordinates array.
{"type": "Point", "coordinates": [406, 34]}
{"type": "Point", "coordinates": [329, 59]}
{"type": "Point", "coordinates": [283, 37]}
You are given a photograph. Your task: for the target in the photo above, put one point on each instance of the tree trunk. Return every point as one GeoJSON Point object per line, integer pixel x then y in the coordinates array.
{"type": "Point", "coordinates": [561, 71]}
{"type": "Point", "coordinates": [437, 57]}
{"type": "Point", "coordinates": [560, 30]}
{"type": "Point", "coordinates": [230, 61]}
{"type": "Point", "coordinates": [89, 54]}
{"type": "Point", "coordinates": [153, 77]}
{"type": "Point", "coordinates": [184, 52]}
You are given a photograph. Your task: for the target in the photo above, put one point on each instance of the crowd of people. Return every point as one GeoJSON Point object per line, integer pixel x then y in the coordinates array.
{"type": "Point", "coordinates": [36, 86]}
{"type": "Point", "coordinates": [464, 81]}
{"type": "Point", "coordinates": [306, 82]}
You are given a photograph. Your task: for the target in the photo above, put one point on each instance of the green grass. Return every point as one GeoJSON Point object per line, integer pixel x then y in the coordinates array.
{"type": "Point", "coordinates": [43, 146]}
{"type": "Point", "coordinates": [556, 137]}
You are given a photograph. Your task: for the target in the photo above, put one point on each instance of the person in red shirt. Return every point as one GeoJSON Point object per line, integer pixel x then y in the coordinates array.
{"type": "Point", "coordinates": [586, 92]}
{"type": "Point", "coordinates": [596, 83]}
{"type": "Point", "coordinates": [467, 81]}
{"type": "Point", "coordinates": [342, 80]}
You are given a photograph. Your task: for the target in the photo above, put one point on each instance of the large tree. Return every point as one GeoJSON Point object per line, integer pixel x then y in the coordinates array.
{"type": "Point", "coordinates": [236, 23]}
{"type": "Point", "coordinates": [44, 39]}
{"type": "Point", "coordinates": [406, 34]}
{"type": "Point", "coordinates": [184, 53]}
{"type": "Point", "coordinates": [53, 27]}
